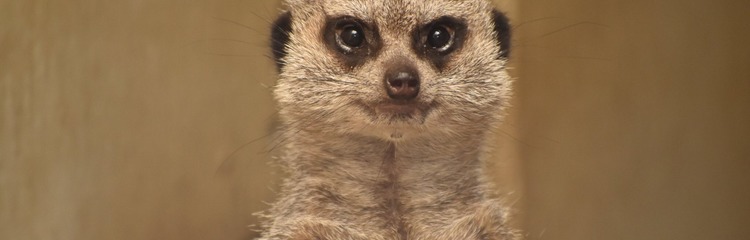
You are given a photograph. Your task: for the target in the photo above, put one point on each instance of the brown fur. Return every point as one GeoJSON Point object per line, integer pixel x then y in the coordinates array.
{"type": "Point", "coordinates": [356, 173]}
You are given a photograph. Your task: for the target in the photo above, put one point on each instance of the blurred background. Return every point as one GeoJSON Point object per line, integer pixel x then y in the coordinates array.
{"type": "Point", "coordinates": [152, 119]}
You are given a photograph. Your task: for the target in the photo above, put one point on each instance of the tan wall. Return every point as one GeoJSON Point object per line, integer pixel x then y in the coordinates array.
{"type": "Point", "coordinates": [134, 119]}
{"type": "Point", "coordinates": [636, 118]}
{"type": "Point", "coordinates": [119, 119]}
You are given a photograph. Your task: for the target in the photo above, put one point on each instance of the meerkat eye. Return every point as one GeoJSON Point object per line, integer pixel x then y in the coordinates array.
{"type": "Point", "coordinates": [353, 40]}
{"type": "Point", "coordinates": [350, 36]}
{"type": "Point", "coordinates": [440, 38]}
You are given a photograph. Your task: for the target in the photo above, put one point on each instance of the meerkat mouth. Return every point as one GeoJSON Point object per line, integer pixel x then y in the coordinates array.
{"type": "Point", "coordinates": [398, 110]}
{"type": "Point", "coordinates": [406, 109]}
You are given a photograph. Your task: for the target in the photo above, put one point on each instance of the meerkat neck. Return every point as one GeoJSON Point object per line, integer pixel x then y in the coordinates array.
{"type": "Point", "coordinates": [413, 173]}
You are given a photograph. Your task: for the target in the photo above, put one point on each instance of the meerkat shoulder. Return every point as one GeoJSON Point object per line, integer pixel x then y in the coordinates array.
{"type": "Point", "coordinates": [385, 107]}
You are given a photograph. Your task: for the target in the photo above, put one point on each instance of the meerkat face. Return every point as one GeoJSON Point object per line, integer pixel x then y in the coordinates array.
{"type": "Point", "coordinates": [391, 69]}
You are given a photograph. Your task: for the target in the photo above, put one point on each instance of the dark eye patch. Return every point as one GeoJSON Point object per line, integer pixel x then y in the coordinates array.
{"type": "Point", "coordinates": [351, 39]}
{"type": "Point", "coordinates": [280, 30]}
{"type": "Point", "coordinates": [503, 31]}
{"type": "Point", "coordinates": [436, 40]}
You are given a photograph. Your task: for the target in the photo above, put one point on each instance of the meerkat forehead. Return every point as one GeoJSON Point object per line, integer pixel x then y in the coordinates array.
{"type": "Point", "coordinates": [394, 12]}
{"type": "Point", "coordinates": [395, 15]}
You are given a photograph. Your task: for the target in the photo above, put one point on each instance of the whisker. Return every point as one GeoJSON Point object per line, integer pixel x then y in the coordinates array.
{"type": "Point", "coordinates": [228, 40]}
{"type": "Point", "coordinates": [261, 17]}
{"type": "Point", "coordinates": [533, 21]}
{"type": "Point", "coordinates": [229, 55]}
{"type": "Point", "coordinates": [239, 24]}
{"type": "Point", "coordinates": [309, 119]}
{"type": "Point", "coordinates": [517, 139]}
{"type": "Point", "coordinates": [333, 80]}
{"type": "Point", "coordinates": [566, 28]}
{"type": "Point", "coordinates": [225, 164]}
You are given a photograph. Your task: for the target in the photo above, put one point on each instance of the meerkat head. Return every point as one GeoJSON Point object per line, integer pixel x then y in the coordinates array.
{"type": "Point", "coordinates": [395, 70]}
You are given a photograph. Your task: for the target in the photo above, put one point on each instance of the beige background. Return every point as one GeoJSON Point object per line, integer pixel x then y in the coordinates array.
{"type": "Point", "coordinates": [136, 119]}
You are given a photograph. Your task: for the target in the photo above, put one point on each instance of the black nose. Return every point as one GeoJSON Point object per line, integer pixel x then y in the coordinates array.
{"type": "Point", "coordinates": [402, 83]}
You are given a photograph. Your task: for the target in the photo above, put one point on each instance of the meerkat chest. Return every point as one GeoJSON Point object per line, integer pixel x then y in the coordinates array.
{"type": "Point", "coordinates": [386, 105]}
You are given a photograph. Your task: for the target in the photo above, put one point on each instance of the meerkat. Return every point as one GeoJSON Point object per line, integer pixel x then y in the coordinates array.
{"type": "Point", "coordinates": [386, 109]}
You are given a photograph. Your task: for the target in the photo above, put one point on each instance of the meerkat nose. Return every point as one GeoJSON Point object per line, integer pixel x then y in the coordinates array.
{"type": "Point", "coordinates": [402, 83]}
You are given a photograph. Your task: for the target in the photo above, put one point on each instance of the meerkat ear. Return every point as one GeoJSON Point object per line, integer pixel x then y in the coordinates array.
{"type": "Point", "coordinates": [502, 29]}
{"type": "Point", "coordinates": [280, 31]}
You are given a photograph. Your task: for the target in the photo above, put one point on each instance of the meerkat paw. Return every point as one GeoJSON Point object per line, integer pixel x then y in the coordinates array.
{"type": "Point", "coordinates": [318, 230]}
{"type": "Point", "coordinates": [488, 222]}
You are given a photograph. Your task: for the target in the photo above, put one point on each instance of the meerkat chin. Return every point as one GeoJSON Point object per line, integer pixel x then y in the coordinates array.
{"type": "Point", "coordinates": [386, 109]}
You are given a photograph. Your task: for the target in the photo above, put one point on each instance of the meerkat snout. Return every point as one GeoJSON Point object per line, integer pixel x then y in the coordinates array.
{"type": "Point", "coordinates": [386, 110]}
{"type": "Point", "coordinates": [402, 82]}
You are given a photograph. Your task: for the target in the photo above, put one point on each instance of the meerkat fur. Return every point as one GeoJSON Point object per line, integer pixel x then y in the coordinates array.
{"type": "Point", "coordinates": [386, 109]}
